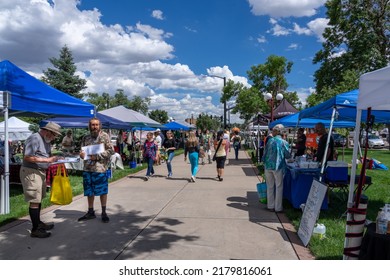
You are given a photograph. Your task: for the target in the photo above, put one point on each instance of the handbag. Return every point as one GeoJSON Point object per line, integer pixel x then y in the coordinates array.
{"type": "Point", "coordinates": [61, 191]}
{"type": "Point", "coordinates": [215, 154]}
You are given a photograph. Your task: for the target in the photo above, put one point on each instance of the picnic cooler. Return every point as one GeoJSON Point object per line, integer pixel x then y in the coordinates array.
{"type": "Point", "coordinates": [337, 171]}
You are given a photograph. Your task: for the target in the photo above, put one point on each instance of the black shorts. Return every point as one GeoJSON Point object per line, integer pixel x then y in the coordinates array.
{"type": "Point", "coordinates": [221, 162]}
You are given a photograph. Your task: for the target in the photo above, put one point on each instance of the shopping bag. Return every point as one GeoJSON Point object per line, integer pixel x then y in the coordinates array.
{"type": "Point", "coordinates": [262, 191]}
{"type": "Point", "coordinates": [61, 191]}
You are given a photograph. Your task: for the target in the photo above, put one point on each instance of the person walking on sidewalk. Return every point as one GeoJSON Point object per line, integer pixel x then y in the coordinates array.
{"type": "Point", "coordinates": [149, 149]}
{"type": "Point", "coordinates": [192, 149]}
{"type": "Point", "coordinates": [36, 159]}
{"type": "Point", "coordinates": [169, 147]}
{"type": "Point", "coordinates": [220, 154]}
{"type": "Point", "coordinates": [95, 181]}
{"type": "Point", "coordinates": [207, 139]}
{"type": "Point", "coordinates": [236, 139]}
{"type": "Point", "coordinates": [275, 154]}
{"type": "Point", "coordinates": [226, 137]}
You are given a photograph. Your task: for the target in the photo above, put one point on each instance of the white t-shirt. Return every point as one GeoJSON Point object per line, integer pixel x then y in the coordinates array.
{"type": "Point", "coordinates": [158, 141]}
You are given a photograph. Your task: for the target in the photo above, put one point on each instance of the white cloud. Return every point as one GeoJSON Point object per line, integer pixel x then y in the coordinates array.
{"type": "Point", "coordinates": [261, 39]}
{"type": "Point", "coordinates": [285, 8]}
{"type": "Point", "coordinates": [277, 29]}
{"type": "Point", "coordinates": [157, 14]}
{"type": "Point", "coordinates": [318, 26]}
{"type": "Point", "coordinates": [301, 31]}
{"type": "Point", "coordinates": [314, 28]}
{"type": "Point", "coordinates": [293, 46]}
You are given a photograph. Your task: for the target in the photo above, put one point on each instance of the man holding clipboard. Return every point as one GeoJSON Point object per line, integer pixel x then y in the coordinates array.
{"type": "Point", "coordinates": [96, 151]}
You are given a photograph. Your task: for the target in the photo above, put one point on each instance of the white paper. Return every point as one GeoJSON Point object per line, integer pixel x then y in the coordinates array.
{"type": "Point", "coordinates": [67, 159]}
{"type": "Point", "coordinates": [92, 150]}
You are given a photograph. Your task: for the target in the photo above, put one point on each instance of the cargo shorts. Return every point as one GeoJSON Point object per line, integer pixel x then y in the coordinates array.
{"type": "Point", "coordinates": [34, 184]}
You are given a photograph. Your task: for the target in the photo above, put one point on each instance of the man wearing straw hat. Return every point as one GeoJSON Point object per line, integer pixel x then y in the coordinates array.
{"type": "Point", "coordinates": [36, 159]}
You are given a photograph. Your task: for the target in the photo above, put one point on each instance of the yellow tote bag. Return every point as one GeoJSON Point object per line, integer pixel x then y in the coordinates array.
{"type": "Point", "coordinates": [61, 191]}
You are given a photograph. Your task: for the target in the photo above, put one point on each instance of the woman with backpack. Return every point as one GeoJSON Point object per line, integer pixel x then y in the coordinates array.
{"type": "Point", "coordinates": [236, 139]}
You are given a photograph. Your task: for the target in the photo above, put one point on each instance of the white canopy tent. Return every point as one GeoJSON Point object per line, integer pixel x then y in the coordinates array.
{"type": "Point", "coordinates": [17, 129]}
{"type": "Point", "coordinates": [374, 94]}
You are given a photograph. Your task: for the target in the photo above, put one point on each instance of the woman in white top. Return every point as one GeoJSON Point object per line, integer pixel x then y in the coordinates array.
{"type": "Point", "coordinates": [220, 154]}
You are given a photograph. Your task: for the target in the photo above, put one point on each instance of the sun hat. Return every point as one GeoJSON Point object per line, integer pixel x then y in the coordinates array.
{"type": "Point", "coordinates": [52, 127]}
{"type": "Point", "coordinates": [158, 130]}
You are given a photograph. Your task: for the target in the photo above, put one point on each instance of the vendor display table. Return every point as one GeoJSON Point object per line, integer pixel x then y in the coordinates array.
{"type": "Point", "coordinates": [297, 183]}
{"type": "Point", "coordinates": [375, 246]}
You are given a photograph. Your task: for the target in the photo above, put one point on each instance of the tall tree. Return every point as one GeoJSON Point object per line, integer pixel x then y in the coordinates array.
{"type": "Point", "coordinates": [204, 122]}
{"type": "Point", "coordinates": [120, 98]}
{"type": "Point", "coordinates": [357, 41]}
{"type": "Point", "coordinates": [160, 116]}
{"type": "Point", "coordinates": [102, 102]}
{"type": "Point", "coordinates": [63, 77]}
{"type": "Point", "coordinates": [140, 105]}
{"type": "Point", "coordinates": [268, 77]}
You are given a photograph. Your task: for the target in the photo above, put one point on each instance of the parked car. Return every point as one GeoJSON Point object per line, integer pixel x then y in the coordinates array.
{"type": "Point", "coordinates": [339, 140]}
{"type": "Point", "coordinates": [373, 141]}
{"type": "Point", "coordinates": [113, 140]}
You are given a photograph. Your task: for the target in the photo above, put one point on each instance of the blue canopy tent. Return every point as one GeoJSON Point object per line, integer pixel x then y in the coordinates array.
{"type": "Point", "coordinates": [27, 96]}
{"type": "Point", "coordinates": [292, 121]}
{"type": "Point", "coordinates": [82, 122]}
{"type": "Point", "coordinates": [31, 97]}
{"type": "Point", "coordinates": [344, 107]}
{"type": "Point", "coordinates": [341, 107]}
{"type": "Point", "coordinates": [177, 126]}
{"type": "Point", "coordinates": [143, 128]}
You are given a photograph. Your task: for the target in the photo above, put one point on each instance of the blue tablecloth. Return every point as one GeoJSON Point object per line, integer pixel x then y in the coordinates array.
{"type": "Point", "coordinates": [297, 184]}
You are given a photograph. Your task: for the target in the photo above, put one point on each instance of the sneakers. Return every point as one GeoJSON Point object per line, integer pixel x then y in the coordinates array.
{"type": "Point", "coordinates": [45, 226]}
{"type": "Point", "coordinates": [169, 175]}
{"type": "Point", "coordinates": [146, 178]}
{"type": "Point", "coordinates": [40, 233]}
{"type": "Point", "coordinates": [88, 216]}
{"type": "Point", "coordinates": [193, 179]}
{"type": "Point", "coordinates": [220, 179]}
{"type": "Point", "coordinates": [105, 218]}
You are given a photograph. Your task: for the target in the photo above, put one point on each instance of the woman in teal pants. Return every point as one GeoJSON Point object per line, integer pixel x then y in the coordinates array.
{"type": "Point", "coordinates": [192, 149]}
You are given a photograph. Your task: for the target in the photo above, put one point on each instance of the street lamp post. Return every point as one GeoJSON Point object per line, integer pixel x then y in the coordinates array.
{"type": "Point", "coordinates": [269, 98]}
{"type": "Point", "coordinates": [224, 103]}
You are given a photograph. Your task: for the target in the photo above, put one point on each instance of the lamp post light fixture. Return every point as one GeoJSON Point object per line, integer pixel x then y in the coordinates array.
{"type": "Point", "coordinates": [269, 98]}
{"type": "Point", "coordinates": [224, 103]}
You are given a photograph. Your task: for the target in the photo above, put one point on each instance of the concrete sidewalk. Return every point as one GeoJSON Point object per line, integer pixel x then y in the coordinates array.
{"type": "Point", "coordinates": [165, 219]}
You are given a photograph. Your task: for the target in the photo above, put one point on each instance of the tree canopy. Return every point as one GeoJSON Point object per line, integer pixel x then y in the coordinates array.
{"type": "Point", "coordinates": [357, 40]}
{"type": "Point", "coordinates": [62, 76]}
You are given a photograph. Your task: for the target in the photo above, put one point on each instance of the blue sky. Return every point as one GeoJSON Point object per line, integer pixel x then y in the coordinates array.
{"type": "Point", "coordinates": [165, 49]}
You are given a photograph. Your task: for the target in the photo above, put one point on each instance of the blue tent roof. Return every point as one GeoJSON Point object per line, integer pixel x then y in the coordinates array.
{"type": "Point", "coordinates": [346, 107]}
{"type": "Point", "coordinates": [176, 126]}
{"type": "Point", "coordinates": [82, 122]}
{"type": "Point", "coordinates": [292, 121]}
{"type": "Point", "coordinates": [30, 96]}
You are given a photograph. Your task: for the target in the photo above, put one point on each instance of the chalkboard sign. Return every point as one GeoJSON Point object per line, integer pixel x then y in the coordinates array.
{"type": "Point", "coordinates": [311, 211]}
